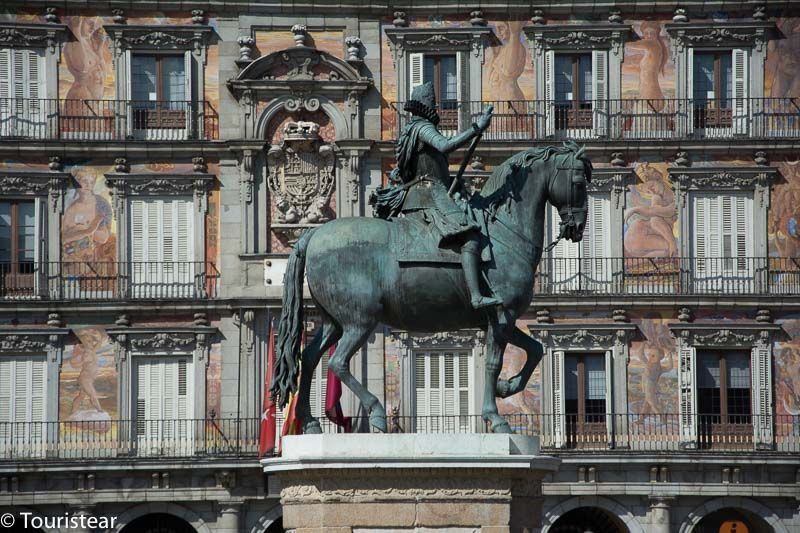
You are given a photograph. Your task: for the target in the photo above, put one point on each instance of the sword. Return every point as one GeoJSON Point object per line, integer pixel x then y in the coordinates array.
{"type": "Point", "coordinates": [467, 157]}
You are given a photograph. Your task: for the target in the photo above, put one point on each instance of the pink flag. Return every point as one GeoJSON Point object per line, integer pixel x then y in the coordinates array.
{"type": "Point", "coordinates": [333, 397]}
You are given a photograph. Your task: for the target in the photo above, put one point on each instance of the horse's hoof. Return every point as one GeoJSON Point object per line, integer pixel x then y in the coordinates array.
{"type": "Point", "coordinates": [497, 424]}
{"type": "Point", "coordinates": [377, 419]}
{"type": "Point", "coordinates": [312, 427]}
{"type": "Point", "coordinates": [503, 389]}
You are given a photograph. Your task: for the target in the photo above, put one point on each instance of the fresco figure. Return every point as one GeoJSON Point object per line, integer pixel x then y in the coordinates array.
{"type": "Point", "coordinates": [87, 233]}
{"type": "Point", "coordinates": [656, 362]}
{"type": "Point", "coordinates": [84, 58]}
{"type": "Point", "coordinates": [784, 214]}
{"type": "Point", "coordinates": [783, 61]}
{"type": "Point", "coordinates": [649, 226]}
{"type": "Point", "coordinates": [787, 388]}
{"type": "Point", "coordinates": [652, 64]}
{"type": "Point", "coordinates": [507, 63]}
{"type": "Point", "coordinates": [84, 356]}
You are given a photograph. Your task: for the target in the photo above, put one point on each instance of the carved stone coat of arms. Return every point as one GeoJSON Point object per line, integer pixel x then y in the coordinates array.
{"type": "Point", "coordinates": [301, 175]}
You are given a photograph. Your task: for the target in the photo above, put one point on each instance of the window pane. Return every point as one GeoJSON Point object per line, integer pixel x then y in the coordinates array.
{"type": "Point", "coordinates": [707, 370]}
{"type": "Point", "coordinates": [5, 231]}
{"type": "Point", "coordinates": [428, 68]}
{"type": "Point", "coordinates": [173, 82]}
{"type": "Point", "coordinates": [595, 377]}
{"type": "Point", "coordinates": [27, 213]}
{"type": "Point", "coordinates": [143, 78]}
{"type": "Point", "coordinates": [563, 78]}
{"type": "Point", "coordinates": [726, 77]}
{"type": "Point", "coordinates": [570, 377]}
{"type": "Point", "coordinates": [448, 79]}
{"type": "Point", "coordinates": [703, 77]}
{"type": "Point", "coordinates": [585, 83]}
{"type": "Point", "coordinates": [738, 370]}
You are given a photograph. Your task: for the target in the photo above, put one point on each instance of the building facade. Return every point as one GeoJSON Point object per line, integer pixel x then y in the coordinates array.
{"type": "Point", "coordinates": [158, 163]}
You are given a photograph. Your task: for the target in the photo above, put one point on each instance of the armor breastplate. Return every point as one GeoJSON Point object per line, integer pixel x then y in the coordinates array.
{"type": "Point", "coordinates": [430, 167]}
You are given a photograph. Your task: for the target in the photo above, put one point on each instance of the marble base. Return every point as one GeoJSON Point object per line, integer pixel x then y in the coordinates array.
{"type": "Point", "coordinates": [410, 482]}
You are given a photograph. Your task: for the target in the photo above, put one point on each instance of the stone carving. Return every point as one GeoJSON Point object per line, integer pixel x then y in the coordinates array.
{"type": "Point", "coordinates": [717, 34]}
{"type": "Point", "coordinates": [538, 17]}
{"type": "Point", "coordinates": [680, 16]}
{"type": "Point", "coordinates": [20, 185]}
{"type": "Point", "coordinates": [724, 337]}
{"type": "Point", "coordinates": [193, 37]}
{"type": "Point", "coordinates": [462, 338]}
{"type": "Point", "coordinates": [301, 175]}
{"type": "Point", "coordinates": [22, 343]}
{"type": "Point", "coordinates": [722, 178]}
{"type": "Point", "coordinates": [164, 342]}
{"type": "Point", "coordinates": [15, 38]}
{"type": "Point", "coordinates": [576, 38]}
{"type": "Point", "coordinates": [300, 33]}
{"type": "Point", "coordinates": [198, 16]}
{"type": "Point", "coordinates": [246, 45]}
{"type": "Point", "coordinates": [400, 19]}
{"type": "Point", "coordinates": [353, 45]}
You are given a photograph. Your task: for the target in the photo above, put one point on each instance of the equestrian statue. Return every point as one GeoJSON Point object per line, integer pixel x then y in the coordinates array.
{"type": "Point", "coordinates": [434, 258]}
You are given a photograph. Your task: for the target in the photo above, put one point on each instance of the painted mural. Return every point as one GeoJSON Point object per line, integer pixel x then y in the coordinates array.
{"type": "Point", "coordinates": [508, 72]}
{"type": "Point", "coordinates": [88, 230]}
{"type": "Point", "coordinates": [648, 71]}
{"type": "Point", "coordinates": [650, 219]}
{"type": "Point", "coordinates": [89, 380]}
{"type": "Point", "coordinates": [653, 370]}
{"type": "Point", "coordinates": [86, 71]}
{"type": "Point", "coordinates": [782, 72]}
{"type": "Point", "coordinates": [783, 230]}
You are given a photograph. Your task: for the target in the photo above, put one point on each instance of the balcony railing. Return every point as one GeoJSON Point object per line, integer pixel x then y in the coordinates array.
{"type": "Point", "coordinates": [239, 437]}
{"type": "Point", "coordinates": [107, 120]}
{"type": "Point", "coordinates": [669, 276]}
{"type": "Point", "coordinates": [97, 281]}
{"type": "Point", "coordinates": [625, 119]}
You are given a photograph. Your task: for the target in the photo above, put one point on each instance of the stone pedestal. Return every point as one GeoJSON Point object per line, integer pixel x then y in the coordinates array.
{"type": "Point", "coordinates": [386, 482]}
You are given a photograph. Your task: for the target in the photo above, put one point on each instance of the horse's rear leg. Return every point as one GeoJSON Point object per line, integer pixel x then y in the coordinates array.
{"type": "Point", "coordinates": [534, 351]}
{"type": "Point", "coordinates": [328, 334]}
{"type": "Point", "coordinates": [353, 339]}
{"type": "Point", "coordinates": [495, 346]}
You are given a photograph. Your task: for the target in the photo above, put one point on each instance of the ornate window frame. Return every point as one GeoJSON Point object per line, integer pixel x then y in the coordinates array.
{"type": "Point", "coordinates": [48, 188]}
{"type": "Point", "coordinates": [43, 341]}
{"type": "Point", "coordinates": [406, 344]}
{"type": "Point", "coordinates": [612, 339]}
{"type": "Point", "coordinates": [193, 341]}
{"type": "Point", "coordinates": [47, 36]}
{"type": "Point", "coordinates": [468, 42]}
{"type": "Point", "coordinates": [757, 179]}
{"type": "Point", "coordinates": [124, 186]}
{"type": "Point", "coordinates": [758, 337]}
{"type": "Point", "coordinates": [613, 181]}
{"type": "Point", "coordinates": [127, 39]}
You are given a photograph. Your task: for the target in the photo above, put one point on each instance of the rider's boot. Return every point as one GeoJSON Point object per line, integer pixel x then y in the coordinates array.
{"type": "Point", "coordinates": [471, 263]}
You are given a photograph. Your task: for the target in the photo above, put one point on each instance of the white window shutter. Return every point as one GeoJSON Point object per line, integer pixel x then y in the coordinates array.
{"type": "Point", "coordinates": [5, 74]}
{"type": "Point", "coordinates": [415, 64]}
{"type": "Point", "coordinates": [595, 247]}
{"type": "Point", "coordinates": [600, 92]}
{"type": "Point", "coordinates": [38, 389]}
{"type": "Point", "coordinates": [421, 384]}
{"type": "Point", "coordinates": [549, 92]}
{"type": "Point", "coordinates": [688, 395]}
{"type": "Point", "coordinates": [558, 415]}
{"type": "Point", "coordinates": [449, 390]}
{"type": "Point", "coordinates": [761, 375]}
{"type": "Point", "coordinates": [6, 396]}
{"type": "Point", "coordinates": [739, 63]}
{"type": "Point", "coordinates": [688, 102]}
{"type": "Point", "coordinates": [564, 257]}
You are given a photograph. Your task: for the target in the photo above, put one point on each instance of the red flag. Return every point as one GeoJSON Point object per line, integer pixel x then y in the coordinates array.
{"type": "Point", "coordinates": [291, 425]}
{"type": "Point", "coordinates": [266, 442]}
{"type": "Point", "coordinates": [333, 397]}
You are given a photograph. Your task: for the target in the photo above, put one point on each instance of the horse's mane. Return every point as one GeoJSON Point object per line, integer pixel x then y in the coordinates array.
{"type": "Point", "coordinates": [504, 181]}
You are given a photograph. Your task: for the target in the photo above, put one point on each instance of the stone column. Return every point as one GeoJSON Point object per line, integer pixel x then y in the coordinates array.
{"type": "Point", "coordinates": [659, 515]}
{"type": "Point", "coordinates": [229, 517]}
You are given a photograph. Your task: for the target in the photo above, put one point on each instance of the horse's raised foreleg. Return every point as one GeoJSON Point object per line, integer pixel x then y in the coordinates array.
{"type": "Point", "coordinates": [328, 334]}
{"type": "Point", "coordinates": [534, 350]}
{"type": "Point", "coordinates": [353, 339]}
{"type": "Point", "coordinates": [495, 346]}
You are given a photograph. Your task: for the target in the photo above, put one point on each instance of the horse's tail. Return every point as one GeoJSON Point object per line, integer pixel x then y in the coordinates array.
{"type": "Point", "coordinates": [287, 348]}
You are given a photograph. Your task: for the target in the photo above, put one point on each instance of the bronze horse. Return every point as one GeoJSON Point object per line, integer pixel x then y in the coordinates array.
{"type": "Point", "coordinates": [357, 282]}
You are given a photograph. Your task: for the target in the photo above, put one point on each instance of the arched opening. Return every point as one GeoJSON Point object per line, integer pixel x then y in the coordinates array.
{"type": "Point", "coordinates": [276, 526]}
{"type": "Point", "coordinates": [588, 520]}
{"type": "Point", "coordinates": [731, 520]}
{"type": "Point", "coordinates": [158, 523]}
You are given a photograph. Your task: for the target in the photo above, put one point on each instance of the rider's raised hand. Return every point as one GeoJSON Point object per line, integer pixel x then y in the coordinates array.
{"type": "Point", "coordinates": [486, 117]}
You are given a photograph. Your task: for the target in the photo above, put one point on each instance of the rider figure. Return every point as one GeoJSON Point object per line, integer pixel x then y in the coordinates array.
{"type": "Point", "coordinates": [423, 167]}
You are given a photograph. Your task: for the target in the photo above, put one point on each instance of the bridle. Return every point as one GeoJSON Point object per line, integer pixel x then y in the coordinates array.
{"type": "Point", "coordinates": [568, 212]}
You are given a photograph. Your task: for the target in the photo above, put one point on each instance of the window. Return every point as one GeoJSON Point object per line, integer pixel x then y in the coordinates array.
{"type": "Point", "coordinates": [584, 395]}
{"type": "Point", "coordinates": [22, 113]}
{"type": "Point", "coordinates": [18, 255]}
{"type": "Point", "coordinates": [163, 396]}
{"type": "Point", "coordinates": [718, 87]}
{"type": "Point", "coordinates": [160, 93]}
{"type": "Point", "coordinates": [162, 247]}
{"type": "Point", "coordinates": [443, 71]}
{"type": "Point", "coordinates": [442, 384]}
{"type": "Point", "coordinates": [23, 382]}
{"type": "Point", "coordinates": [723, 394]}
{"type": "Point", "coordinates": [722, 241]}
{"type": "Point", "coordinates": [586, 265]}
{"type": "Point", "coordinates": [576, 92]}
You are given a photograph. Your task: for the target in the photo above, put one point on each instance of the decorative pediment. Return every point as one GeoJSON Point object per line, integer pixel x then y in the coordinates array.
{"type": "Point", "coordinates": [577, 36]}
{"type": "Point", "coordinates": [585, 336]}
{"type": "Point", "coordinates": [162, 37]}
{"type": "Point", "coordinates": [15, 35]}
{"type": "Point", "coordinates": [122, 185]}
{"type": "Point", "coordinates": [300, 70]}
{"type": "Point", "coordinates": [35, 183]}
{"type": "Point", "coordinates": [733, 335]}
{"type": "Point", "coordinates": [439, 39]}
{"type": "Point", "coordinates": [32, 340]}
{"type": "Point", "coordinates": [466, 338]}
{"type": "Point", "coordinates": [736, 178]}
{"type": "Point", "coordinates": [144, 341]}
{"type": "Point", "coordinates": [722, 34]}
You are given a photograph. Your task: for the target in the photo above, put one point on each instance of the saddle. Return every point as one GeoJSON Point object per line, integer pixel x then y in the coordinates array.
{"type": "Point", "coordinates": [416, 241]}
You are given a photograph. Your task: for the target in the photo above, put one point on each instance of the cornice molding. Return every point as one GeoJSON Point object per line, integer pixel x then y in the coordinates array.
{"type": "Point", "coordinates": [36, 183]}
{"type": "Point", "coordinates": [121, 185]}
{"type": "Point", "coordinates": [27, 35]}
{"type": "Point", "coordinates": [438, 39]}
{"type": "Point", "coordinates": [753, 178]}
{"type": "Point", "coordinates": [733, 335]}
{"type": "Point", "coordinates": [193, 37]}
{"type": "Point", "coordinates": [577, 36]}
{"type": "Point", "coordinates": [600, 336]}
{"type": "Point", "coordinates": [143, 341]}
{"type": "Point", "coordinates": [722, 34]}
{"type": "Point", "coordinates": [614, 180]}
{"type": "Point", "coordinates": [467, 338]}
{"type": "Point", "coordinates": [31, 340]}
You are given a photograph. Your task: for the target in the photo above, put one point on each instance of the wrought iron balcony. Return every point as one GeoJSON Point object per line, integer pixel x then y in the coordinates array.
{"type": "Point", "coordinates": [106, 120]}
{"type": "Point", "coordinates": [98, 281]}
{"type": "Point", "coordinates": [559, 433]}
{"type": "Point", "coordinates": [625, 119]}
{"type": "Point", "coordinates": [669, 276]}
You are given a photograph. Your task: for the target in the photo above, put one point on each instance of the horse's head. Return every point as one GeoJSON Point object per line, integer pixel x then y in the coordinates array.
{"type": "Point", "coordinates": [567, 190]}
